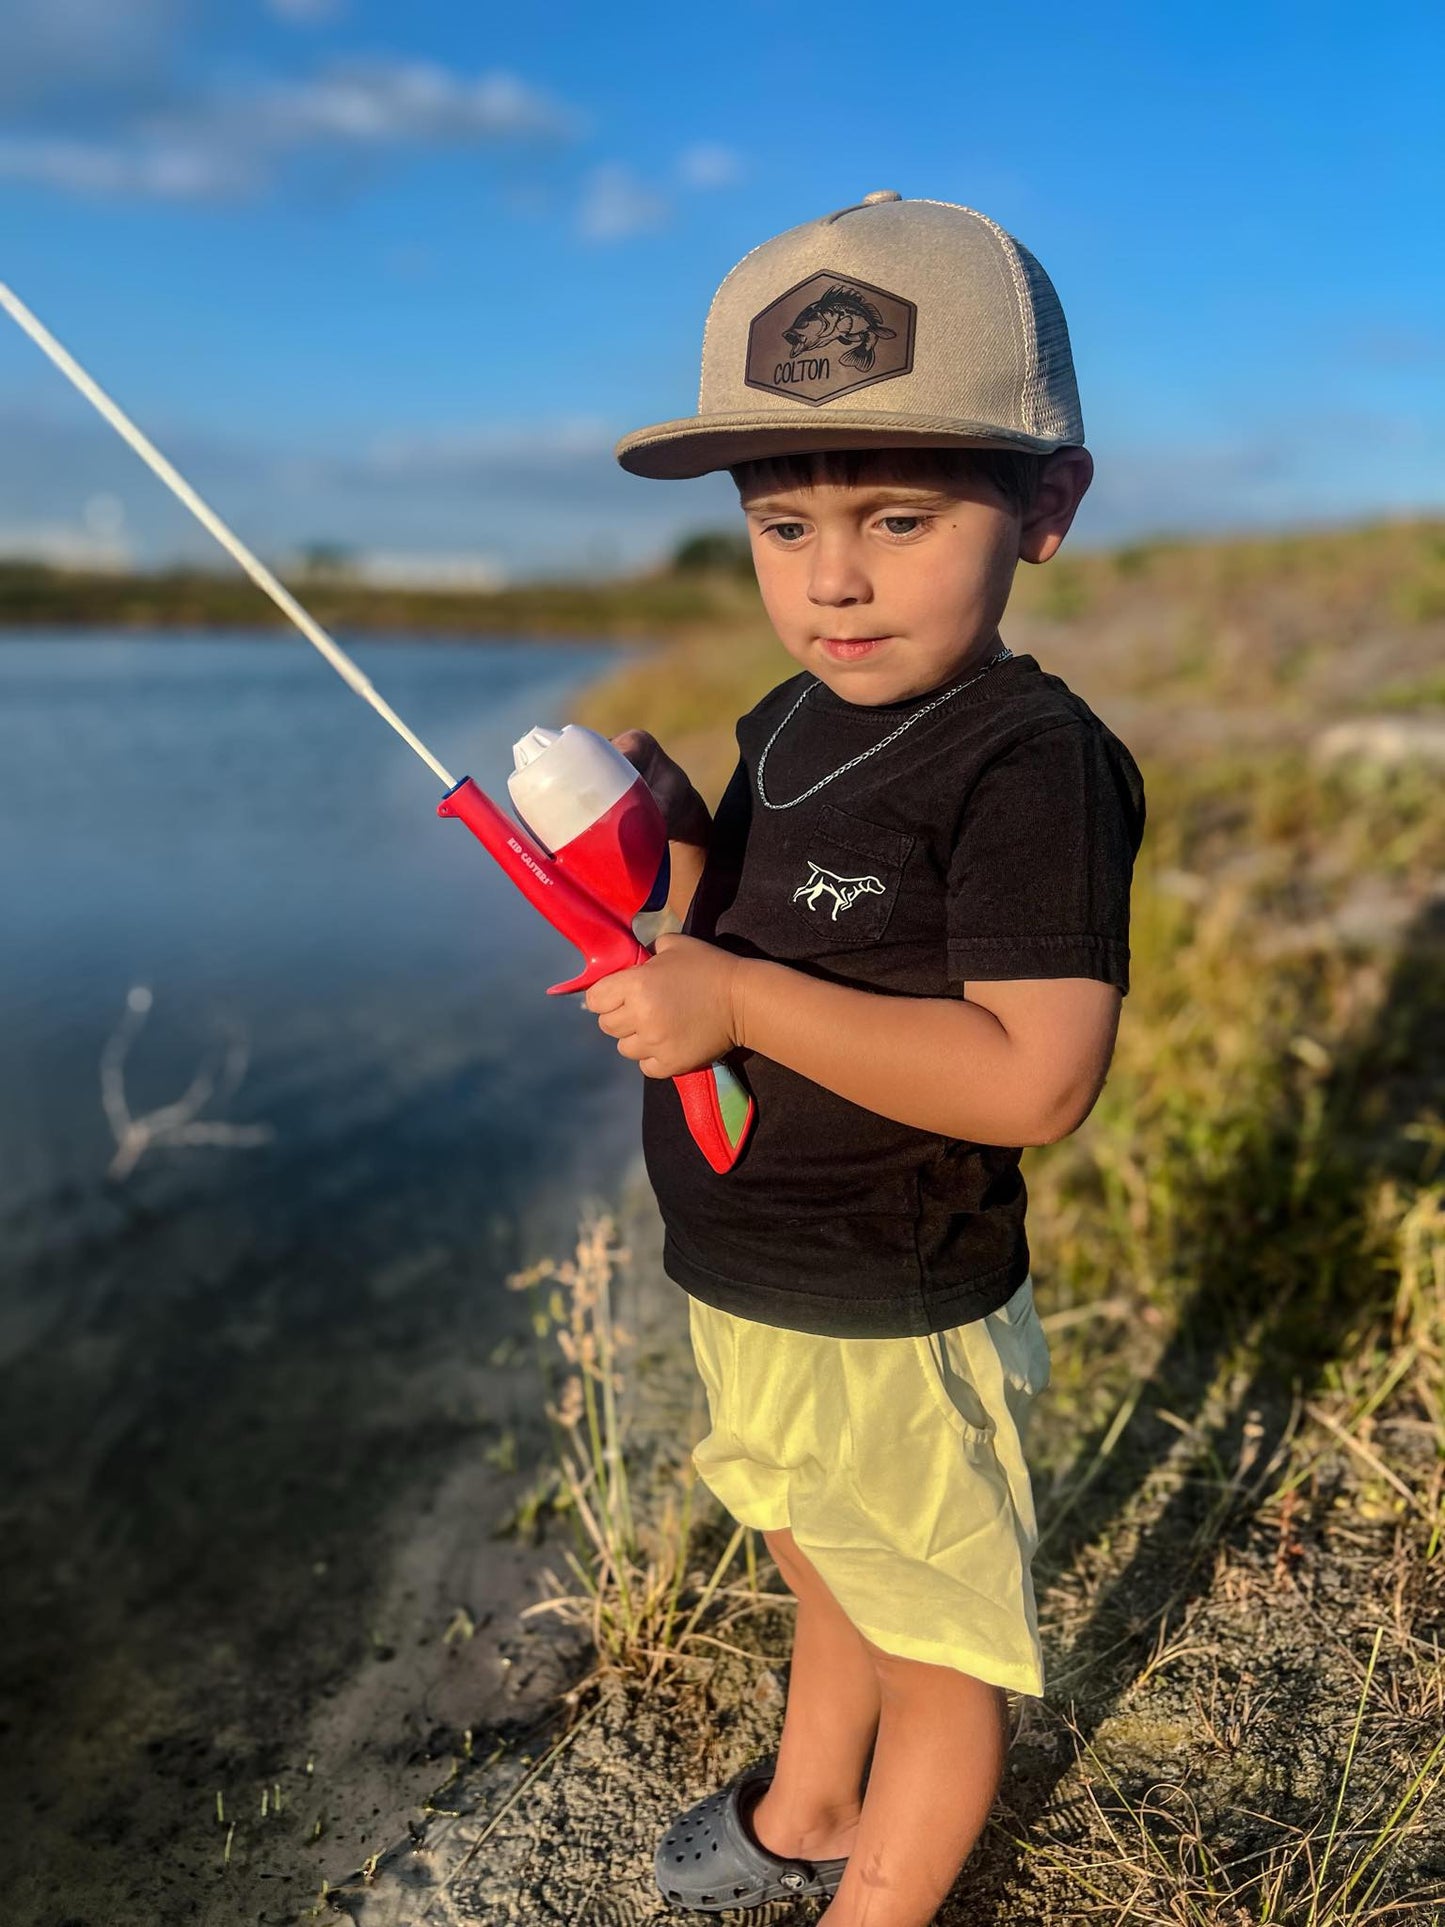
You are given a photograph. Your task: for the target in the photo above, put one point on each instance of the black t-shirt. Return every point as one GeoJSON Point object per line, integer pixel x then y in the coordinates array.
{"type": "Point", "coordinates": [994, 839]}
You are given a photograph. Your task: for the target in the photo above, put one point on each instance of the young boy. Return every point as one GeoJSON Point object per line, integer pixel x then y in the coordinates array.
{"type": "Point", "coordinates": [908, 923]}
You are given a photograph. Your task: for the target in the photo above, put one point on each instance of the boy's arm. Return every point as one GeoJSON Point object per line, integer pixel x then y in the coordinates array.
{"type": "Point", "coordinates": [1015, 1063]}
{"type": "Point", "coordinates": [687, 838]}
{"type": "Point", "coordinates": [689, 821]}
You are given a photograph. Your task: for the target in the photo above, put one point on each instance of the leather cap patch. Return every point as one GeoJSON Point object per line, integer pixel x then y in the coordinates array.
{"type": "Point", "coordinates": [827, 336]}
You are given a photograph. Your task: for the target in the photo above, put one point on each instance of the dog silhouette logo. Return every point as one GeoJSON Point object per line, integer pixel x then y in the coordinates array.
{"type": "Point", "coordinates": [844, 891]}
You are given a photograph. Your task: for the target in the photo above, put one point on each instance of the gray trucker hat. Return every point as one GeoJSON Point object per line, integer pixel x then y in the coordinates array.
{"type": "Point", "coordinates": [900, 323]}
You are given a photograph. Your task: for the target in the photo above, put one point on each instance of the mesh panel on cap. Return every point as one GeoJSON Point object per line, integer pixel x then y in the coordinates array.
{"type": "Point", "coordinates": [1051, 396]}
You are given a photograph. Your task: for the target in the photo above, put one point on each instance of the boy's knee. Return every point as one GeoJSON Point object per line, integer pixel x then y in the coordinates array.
{"type": "Point", "coordinates": [798, 1571]}
{"type": "Point", "coordinates": [782, 1546]}
{"type": "Point", "coordinates": [901, 1678]}
{"type": "Point", "coordinates": [894, 1673]}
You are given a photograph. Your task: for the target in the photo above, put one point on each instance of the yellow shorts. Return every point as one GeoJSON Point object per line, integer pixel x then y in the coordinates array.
{"type": "Point", "coordinates": [898, 1464]}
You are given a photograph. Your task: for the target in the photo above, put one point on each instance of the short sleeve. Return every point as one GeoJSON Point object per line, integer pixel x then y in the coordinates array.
{"type": "Point", "coordinates": [1038, 882]}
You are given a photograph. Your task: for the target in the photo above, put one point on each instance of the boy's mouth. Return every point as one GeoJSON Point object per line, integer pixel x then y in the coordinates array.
{"type": "Point", "coordinates": [849, 649]}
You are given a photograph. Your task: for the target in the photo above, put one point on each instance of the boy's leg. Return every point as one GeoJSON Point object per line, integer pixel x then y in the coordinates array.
{"type": "Point", "coordinates": [811, 1808]}
{"type": "Point", "coordinates": [942, 1741]}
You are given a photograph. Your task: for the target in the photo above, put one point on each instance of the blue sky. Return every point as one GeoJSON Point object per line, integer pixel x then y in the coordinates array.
{"type": "Point", "coordinates": [397, 277]}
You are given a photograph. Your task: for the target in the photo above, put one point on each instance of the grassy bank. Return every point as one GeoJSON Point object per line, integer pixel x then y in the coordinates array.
{"type": "Point", "coordinates": [1240, 1258]}
{"type": "Point", "coordinates": [1268, 631]}
{"type": "Point", "coordinates": [1301, 595]}
{"type": "Point", "coordinates": [630, 609]}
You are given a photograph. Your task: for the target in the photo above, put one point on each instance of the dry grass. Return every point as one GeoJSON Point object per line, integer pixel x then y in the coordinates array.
{"type": "Point", "coordinates": [1153, 1861]}
{"type": "Point", "coordinates": [1241, 1485]}
{"type": "Point", "coordinates": [644, 1606]}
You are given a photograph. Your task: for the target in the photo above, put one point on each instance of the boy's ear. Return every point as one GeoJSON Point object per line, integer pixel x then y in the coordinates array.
{"type": "Point", "coordinates": [1063, 483]}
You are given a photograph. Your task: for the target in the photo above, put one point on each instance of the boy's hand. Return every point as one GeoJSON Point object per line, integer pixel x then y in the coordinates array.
{"type": "Point", "coordinates": [671, 788]}
{"type": "Point", "coordinates": [674, 1013]}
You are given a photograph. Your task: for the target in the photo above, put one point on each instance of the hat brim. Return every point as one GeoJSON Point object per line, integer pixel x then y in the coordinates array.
{"type": "Point", "coordinates": [673, 451]}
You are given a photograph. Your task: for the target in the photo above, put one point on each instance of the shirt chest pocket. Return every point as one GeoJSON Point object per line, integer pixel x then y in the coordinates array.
{"type": "Point", "coordinates": [844, 876]}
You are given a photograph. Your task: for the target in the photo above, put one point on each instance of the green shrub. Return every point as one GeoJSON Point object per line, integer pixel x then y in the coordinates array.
{"type": "Point", "coordinates": [724, 550]}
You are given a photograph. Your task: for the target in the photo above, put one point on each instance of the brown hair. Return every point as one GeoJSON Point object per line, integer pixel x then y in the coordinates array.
{"type": "Point", "coordinates": [1013, 473]}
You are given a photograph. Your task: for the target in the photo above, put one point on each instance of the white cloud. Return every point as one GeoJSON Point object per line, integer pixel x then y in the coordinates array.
{"type": "Point", "coordinates": [484, 449]}
{"type": "Point", "coordinates": [397, 101]}
{"type": "Point", "coordinates": [709, 165]}
{"type": "Point", "coordinates": [539, 496]}
{"type": "Point", "coordinates": [232, 144]}
{"type": "Point", "coordinates": [617, 203]}
{"type": "Point", "coordinates": [156, 171]}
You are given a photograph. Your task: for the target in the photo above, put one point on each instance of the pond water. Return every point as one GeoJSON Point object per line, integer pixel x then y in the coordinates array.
{"type": "Point", "coordinates": [225, 823]}
{"type": "Point", "coordinates": [236, 1389]}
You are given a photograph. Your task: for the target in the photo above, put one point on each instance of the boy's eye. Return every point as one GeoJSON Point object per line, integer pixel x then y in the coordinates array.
{"type": "Point", "coordinates": [788, 531]}
{"type": "Point", "coordinates": [909, 523]}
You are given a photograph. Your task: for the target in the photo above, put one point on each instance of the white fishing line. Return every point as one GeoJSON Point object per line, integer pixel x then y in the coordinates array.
{"type": "Point", "coordinates": [180, 487]}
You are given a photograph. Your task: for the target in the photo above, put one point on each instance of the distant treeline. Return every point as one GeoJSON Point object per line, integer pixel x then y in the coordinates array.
{"type": "Point", "coordinates": [1395, 567]}
{"type": "Point", "coordinates": [708, 577]}
{"type": "Point", "coordinates": [34, 596]}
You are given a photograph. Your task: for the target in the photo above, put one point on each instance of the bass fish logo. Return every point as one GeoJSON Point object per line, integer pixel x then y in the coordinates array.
{"type": "Point", "coordinates": [827, 336]}
{"type": "Point", "coordinates": [839, 317]}
{"type": "Point", "coordinates": [844, 891]}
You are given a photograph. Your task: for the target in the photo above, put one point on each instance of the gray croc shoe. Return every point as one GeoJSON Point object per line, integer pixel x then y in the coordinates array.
{"type": "Point", "coordinates": [708, 1858]}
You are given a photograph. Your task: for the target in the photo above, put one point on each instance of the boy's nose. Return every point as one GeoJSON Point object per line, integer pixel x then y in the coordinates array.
{"type": "Point", "coordinates": [836, 578]}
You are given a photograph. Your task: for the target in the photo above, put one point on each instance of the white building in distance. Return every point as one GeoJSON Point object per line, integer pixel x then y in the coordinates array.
{"type": "Point", "coordinates": [399, 569]}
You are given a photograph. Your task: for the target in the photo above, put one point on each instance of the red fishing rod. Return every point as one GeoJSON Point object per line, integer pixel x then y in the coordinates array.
{"type": "Point", "coordinates": [591, 851]}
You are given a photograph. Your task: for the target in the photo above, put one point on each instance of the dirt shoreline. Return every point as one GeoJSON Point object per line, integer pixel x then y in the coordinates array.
{"type": "Point", "coordinates": [262, 1429]}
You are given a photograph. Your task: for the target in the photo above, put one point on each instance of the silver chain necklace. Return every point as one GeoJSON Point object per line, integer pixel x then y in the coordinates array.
{"type": "Point", "coordinates": [1003, 655]}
